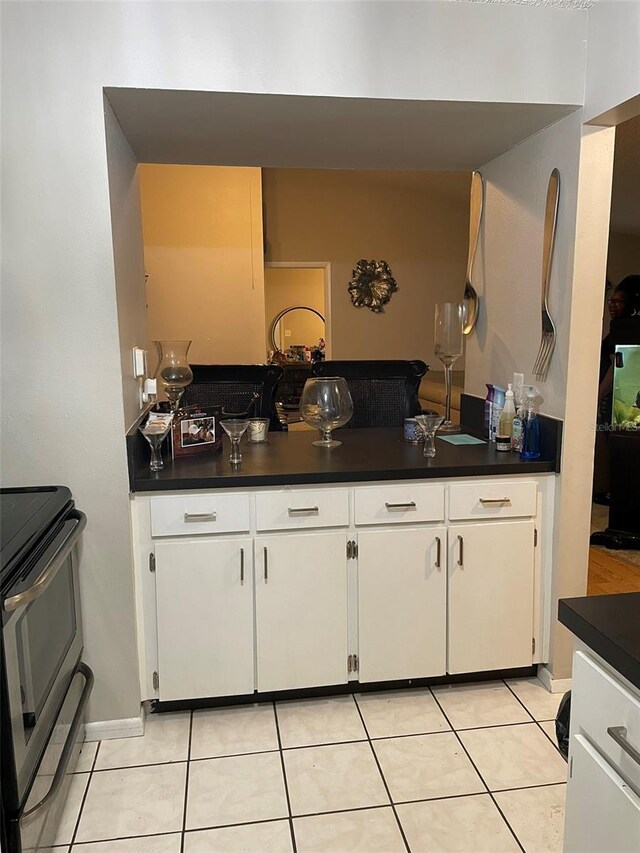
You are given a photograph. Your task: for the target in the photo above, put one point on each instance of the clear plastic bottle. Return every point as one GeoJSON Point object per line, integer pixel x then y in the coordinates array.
{"type": "Point", "coordinates": [505, 427]}
{"type": "Point", "coordinates": [531, 437]}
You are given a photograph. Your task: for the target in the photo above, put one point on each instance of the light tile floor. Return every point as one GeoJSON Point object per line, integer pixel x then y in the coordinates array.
{"type": "Point", "coordinates": [470, 768]}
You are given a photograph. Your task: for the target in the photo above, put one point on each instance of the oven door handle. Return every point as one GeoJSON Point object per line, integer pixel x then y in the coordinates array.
{"type": "Point", "coordinates": [63, 543]}
{"type": "Point", "coordinates": [65, 756]}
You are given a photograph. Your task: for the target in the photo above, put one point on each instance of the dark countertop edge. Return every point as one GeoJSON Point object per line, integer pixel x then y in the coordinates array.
{"type": "Point", "coordinates": [617, 657]}
{"type": "Point", "coordinates": [145, 484]}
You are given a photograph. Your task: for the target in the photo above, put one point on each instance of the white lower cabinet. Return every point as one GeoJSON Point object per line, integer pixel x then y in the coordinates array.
{"type": "Point", "coordinates": [301, 610]}
{"type": "Point", "coordinates": [602, 810]}
{"type": "Point", "coordinates": [445, 579]}
{"type": "Point", "coordinates": [204, 595]}
{"type": "Point", "coordinates": [402, 592]}
{"type": "Point", "coordinates": [491, 590]}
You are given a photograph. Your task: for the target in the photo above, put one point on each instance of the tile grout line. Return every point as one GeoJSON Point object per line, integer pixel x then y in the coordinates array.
{"type": "Point", "coordinates": [284, 776]}
{"type": "Point", "coordinates": [84, 797]}
{"type": "Point", "coordinates": [481, 777]}
{"type": "Point", "coordinates": [537, 722]}
{"type": "Point", "coordinates": [186, 784]}
{"type": "Point", "coordinates": [384, 781]}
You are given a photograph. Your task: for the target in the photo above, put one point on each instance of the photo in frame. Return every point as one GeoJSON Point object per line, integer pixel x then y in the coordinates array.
{"type": "Point", "coordinates": [195, 430]}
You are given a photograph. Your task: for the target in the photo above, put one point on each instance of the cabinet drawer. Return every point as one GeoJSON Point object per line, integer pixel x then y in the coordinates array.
{"type": "Point", "coordinates": [492, 500]}
{"type": "Point", "coordinates": [191, 515]}
{"type": "Point", "coordinates": [599, 702]}
{"type": "Point", "coordinates": [395, 504]}
{"type": "Point", "coordinates": [296, 510]}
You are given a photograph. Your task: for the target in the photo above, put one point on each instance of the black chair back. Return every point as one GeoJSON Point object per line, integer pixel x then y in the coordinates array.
{"type": "Point", "coordinates": [384, 392]}
{"type": "Point", "coordinates": [247, 389]}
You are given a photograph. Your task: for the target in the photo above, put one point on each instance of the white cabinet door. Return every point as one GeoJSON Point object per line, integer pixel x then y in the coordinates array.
{"type": "Point", "coordinates": [401, 603]}
{"type": "Point", "coordinates": [491, 588]}
{"type": "Point", "coordinates": [205, 618]}
{"type": "Point", "coordinates": [602, 811]}
{"type": "Point", "coordinates": [301, 610]}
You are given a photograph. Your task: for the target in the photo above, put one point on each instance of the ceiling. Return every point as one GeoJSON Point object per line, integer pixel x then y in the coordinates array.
{"type": "Point", "coordinates": [292, 131]}
{"type": "Point", "coordinates": [625, 197]}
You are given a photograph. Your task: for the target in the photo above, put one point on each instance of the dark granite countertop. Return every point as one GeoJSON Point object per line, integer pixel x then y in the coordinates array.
{"type": "Point", "coordinates": [289, 458]}
{"type": "Point", "coordinates": [610, 625]}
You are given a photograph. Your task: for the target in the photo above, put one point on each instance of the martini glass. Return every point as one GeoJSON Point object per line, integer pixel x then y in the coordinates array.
{"type": "Point", "coordinates": [235, 428]}
{"type": "Point", "coordinates": [155, 433]}
{"type": "Point", "coordinates": [429, 424]}
{"type": "Point", "coordinates": [448, 347]}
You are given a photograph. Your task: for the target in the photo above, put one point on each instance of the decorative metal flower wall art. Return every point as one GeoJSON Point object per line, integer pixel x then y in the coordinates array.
{"type": "Point", "coordinates": [372, 285]}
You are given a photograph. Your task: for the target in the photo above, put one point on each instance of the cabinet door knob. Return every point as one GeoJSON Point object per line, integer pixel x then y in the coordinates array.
{"type": "Point", "coordinates": [266, 565]}
{"type": "Point", "coordinates": [461, 551]}
{"type": "Point", "coordinates": [241, 566]}
{"type": "Point", "coordinates": [619, 734]}
{"type": "Point", "coordinates": [438, 549]}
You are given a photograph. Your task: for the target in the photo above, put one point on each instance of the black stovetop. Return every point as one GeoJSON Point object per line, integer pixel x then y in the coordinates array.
{"type": "Point", "coordinates": [27, 516]}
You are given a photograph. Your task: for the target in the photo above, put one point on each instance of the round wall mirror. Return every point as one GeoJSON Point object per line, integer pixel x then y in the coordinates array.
{"type": "Point", "coordinates": [296, 328]}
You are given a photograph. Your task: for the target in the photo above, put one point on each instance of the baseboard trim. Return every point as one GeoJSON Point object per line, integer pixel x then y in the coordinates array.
{"type": "Point", "coordinates": [553, 685]}
{"type": "Point", "coordinates": [110, 729]}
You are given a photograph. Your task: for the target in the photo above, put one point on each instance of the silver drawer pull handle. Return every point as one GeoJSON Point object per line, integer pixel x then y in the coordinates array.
{"type": "Point", "coordinates": [200, 516]}
{"type": "Point", "coordinates": [438, 547]}
{"type": "Point", "coordinates": [619, 734]}
{"type": "Point", "coordinates": [409, 505]}
{"type": "Point", "coordinates": [241, 566]}
{"type": "Point", "coordinates": [486, 501]}
{"type": "Point", "coordinates": [461, 556]}
{"type": "Point", "coordinates": [303, 510]}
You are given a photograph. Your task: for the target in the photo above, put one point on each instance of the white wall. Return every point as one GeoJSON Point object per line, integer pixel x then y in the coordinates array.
{"type": "Point", "coordinates": [613, 57]}
{"type": "Point", "coordinates": [509, 264]}
{"type": "Point", "coordinates": [124, 195]}
{"type": "Point", "coordinates": [60, 345]}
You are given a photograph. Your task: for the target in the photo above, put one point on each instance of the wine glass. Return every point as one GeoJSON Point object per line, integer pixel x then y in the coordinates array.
{"type": "Point", "coordinates": [326, 404]}
{"type": "Point", "coordinates": [429, 423]}
{"type": "Point", "coordinates": [235, 428]}
{"type": "Point", "coordinates": [448, 347]}
{"type": "Point", "coordinates": [155, 431]}
{"type": "Point", "coordinates": [173, 369]}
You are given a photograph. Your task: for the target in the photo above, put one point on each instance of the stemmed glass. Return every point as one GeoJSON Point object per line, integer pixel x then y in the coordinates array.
{"type": "Point", "coordinates": [155, 431]}
{"type": "Point", "coordinates": [235, 428]}
{"type": "Point", "coordinates": [429, 424]}
{"type": "Point", "coordinates": [326, 404]}
{"type": "Point", "coordinates": [173, 369]}
{"type": "Point", "coordinates": [448, 347]}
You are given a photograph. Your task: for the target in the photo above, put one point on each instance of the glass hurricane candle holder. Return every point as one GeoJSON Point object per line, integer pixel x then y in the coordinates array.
{"type": "Point", "coordinates": [235, 428]}
{"type": "Point", "coordinates": [448, 347]}
{"type": "Point", "coordinates": [326, 404]}
{"type": "Point", "coordinates": [173, 369]}
{"type": "Point", "coordinates": [429, 424]}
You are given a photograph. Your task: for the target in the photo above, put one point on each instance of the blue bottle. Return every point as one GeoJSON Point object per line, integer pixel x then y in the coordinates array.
{"type": "Point", "coordinates": [531, 428]}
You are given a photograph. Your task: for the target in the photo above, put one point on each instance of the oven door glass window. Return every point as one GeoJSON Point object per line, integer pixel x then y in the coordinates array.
{"type": "Point", "coordinates": [44, 633]}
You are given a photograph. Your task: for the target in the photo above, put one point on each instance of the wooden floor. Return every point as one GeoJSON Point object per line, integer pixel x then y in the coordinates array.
{"type": "Point", "coordinates": [609, 574]}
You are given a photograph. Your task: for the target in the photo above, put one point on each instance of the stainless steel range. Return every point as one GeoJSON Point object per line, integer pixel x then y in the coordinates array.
{"type": "Point", "coordinates": [45, 685]}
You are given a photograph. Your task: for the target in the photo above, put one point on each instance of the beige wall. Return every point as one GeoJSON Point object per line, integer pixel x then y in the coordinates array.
{"type": "Point", "coordinates": [417, 222]}
{"type": "Point", "coordinates": [285, 288]}
{"type": "Point", "coordinates": [202, 229]}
